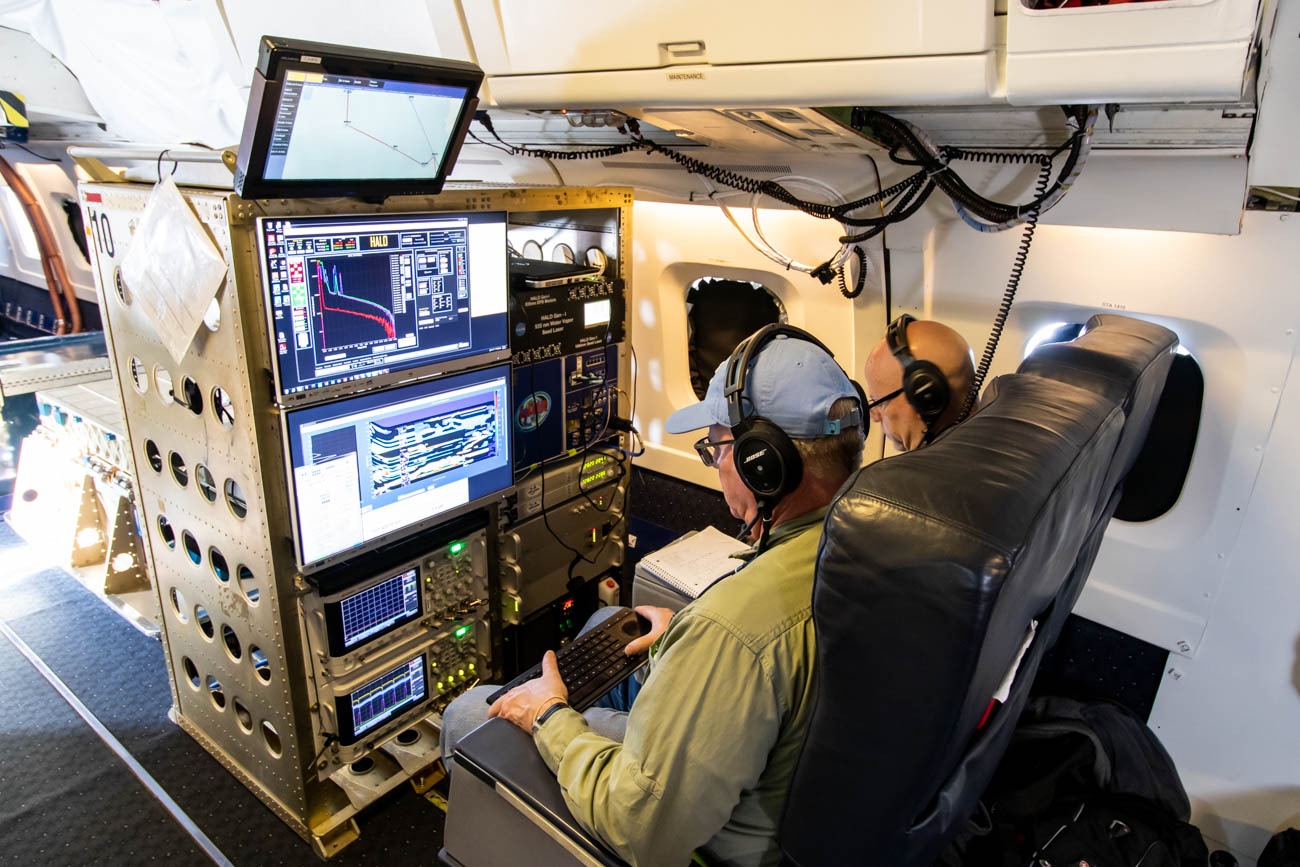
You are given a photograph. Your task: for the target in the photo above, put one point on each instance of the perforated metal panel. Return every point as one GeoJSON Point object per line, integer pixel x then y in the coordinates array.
{"type": "Point", "coordinates": [206, 441]}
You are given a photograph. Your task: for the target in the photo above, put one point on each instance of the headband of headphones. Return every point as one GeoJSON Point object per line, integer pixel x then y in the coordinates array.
{"type": "Point", "coordinates": [737, 375]}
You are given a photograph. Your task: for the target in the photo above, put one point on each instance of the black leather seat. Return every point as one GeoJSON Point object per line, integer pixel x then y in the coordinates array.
{"type": "Point", "coordinates": [933, 566]}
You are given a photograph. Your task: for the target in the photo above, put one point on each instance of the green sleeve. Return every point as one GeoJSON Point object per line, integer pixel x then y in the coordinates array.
{"type": "Point", "coordinates": [697, 737]}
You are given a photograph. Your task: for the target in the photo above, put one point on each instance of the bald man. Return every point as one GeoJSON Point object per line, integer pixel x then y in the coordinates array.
{"type": "Point", "coordinates": [940, 366]}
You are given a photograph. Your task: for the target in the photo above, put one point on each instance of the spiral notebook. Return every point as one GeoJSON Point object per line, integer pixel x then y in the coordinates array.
{"type": "Point", "coordinates": [693, 563]}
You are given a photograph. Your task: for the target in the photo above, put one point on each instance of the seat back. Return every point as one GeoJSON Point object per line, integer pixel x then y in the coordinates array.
{"type": "Point", "coordinates": [933, 565]}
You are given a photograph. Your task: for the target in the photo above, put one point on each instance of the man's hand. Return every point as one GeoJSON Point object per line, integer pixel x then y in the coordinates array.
{"type": "Point", "coordinates": [525, 702]}
{"type": "Point", "coordinates": [658, 618]}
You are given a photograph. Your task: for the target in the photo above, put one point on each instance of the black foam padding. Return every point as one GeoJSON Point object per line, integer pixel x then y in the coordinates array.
{"type": "Point", "coordinates": [1156, 480]}
{"type": "Point", "coordinates": [1091, 661]}
{"type": "Point", "coordinates": [663, 508]}
{"type": "Point", "coordinates": [119, 674]}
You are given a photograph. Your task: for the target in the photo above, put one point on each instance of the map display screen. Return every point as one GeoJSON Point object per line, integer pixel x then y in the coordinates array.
{"type": "Point", "coordinates": [326, 126]}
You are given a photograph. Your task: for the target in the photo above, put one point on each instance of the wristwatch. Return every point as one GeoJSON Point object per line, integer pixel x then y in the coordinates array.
{"type": "Point", "coordinates": [546, 714]}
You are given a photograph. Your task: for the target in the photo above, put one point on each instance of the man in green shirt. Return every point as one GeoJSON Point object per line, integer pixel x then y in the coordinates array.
{"type": "Point", "coordinates": [710, 744]}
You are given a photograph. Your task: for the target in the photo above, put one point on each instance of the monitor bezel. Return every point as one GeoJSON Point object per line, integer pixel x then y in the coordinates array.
{"type": "Point", "coordinates": [277, 55]}
{"type": "Point", "coordinates": [407, 376]}
{"type": "Point", "coordinates": [401, 534]}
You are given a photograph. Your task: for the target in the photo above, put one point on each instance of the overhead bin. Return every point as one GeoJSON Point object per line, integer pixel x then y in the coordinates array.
{"type": "Point", "coordinates": [1144, 51]}
{"type": "Point", "coordinates": [740, 54]}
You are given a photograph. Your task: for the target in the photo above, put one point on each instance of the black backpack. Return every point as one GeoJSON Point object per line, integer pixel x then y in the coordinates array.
{"type": "Point", "coordinates": [1083, 784]}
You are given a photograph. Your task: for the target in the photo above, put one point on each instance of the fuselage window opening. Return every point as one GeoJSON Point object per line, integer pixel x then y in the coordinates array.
{"type": "Point", "coordinates": [1156, 481]}
{"type": "Point", "coordinates": [721, 312]}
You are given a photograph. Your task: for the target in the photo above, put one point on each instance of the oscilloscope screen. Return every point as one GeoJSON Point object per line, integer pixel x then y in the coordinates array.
{"type": "Point", "coordinates": [368, 299]}
{"type": "Point", "coordinates": [367, 469]}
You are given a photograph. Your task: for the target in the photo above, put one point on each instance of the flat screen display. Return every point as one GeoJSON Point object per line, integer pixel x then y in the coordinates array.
{"type": "Point", "coordinates": [367, 469]}
{"type": "Point", "coordinates": [382, 699]}
{"type": "Point", "coordinates": [333, 120]}
{"type": "Point", "coordinates": [380, 297]}
{"type": "Point", "coordinates": [359, 618]}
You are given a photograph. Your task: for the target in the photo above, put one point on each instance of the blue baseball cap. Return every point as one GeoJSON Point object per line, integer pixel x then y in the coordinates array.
{"type": "Point", "coordinates": [791, 383]}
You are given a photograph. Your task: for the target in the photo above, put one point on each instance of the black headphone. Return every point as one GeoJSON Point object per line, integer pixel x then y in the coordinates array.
{"type": "Point", "coordinates": [765, 456]}
{"type": "Point", "coordinates": [924, 384]}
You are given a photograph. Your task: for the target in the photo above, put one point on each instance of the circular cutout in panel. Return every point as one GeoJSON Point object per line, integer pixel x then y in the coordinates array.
{"type": "Point", "coordinates": [272, 738]}
{"type": "Point", "coordinates": [191, 396]}
{"type": "Point", "coordinates": [179, 605]}
{"type": "Point", "coordinates": [222, 407]}
{"type": "Point", "coordinates": [152, 455]}
{"type": "Point", "coordinates": [179, 471]}
{"type": "Point", "coordinates": [219, 566]}
{"type": "Point", "coordinates": [261, 664]}
{"type": "Point", "coordinates": [212, 318]}
{"type": "Point", "coordinates": [214, 692]}
{"type": "Point", "coordinates": [203, 620]}
{"type": "Point", "coordinates": [192, 547]}
{"type": "Point", "coordinates": [408, 737]}
{"type": "Point", "coordinates": [532, 250]}
{"type": "Point", "coordinates": [232, 642]}
{"type": "Point", "coordinates": [121, 562]}
{"type": "Point", "coordinates": [206, 483]}
{"type": "Point", "coordinates": [139, 375]}
{"type": "Point", "coordinates": [191, 672]}
{"type": "Point", "coordinates": [166, 532]}
{"type": "Point", "coordinates": [248, 584]}
{"type": "Point", "coordinates": [162, 380]}
{"type": "Point", "coordinates": [244, 718]}
{"type": "Point", "coordinates": [235, 498]}
{"type": "Point", "coordinates": [596, 258]}
{"type": "Point", "coordinates": [123, 293]}
{"type": "Point", "coordinates": [562, 253]}
{"type": "Point", "coordinates": [362, 766]}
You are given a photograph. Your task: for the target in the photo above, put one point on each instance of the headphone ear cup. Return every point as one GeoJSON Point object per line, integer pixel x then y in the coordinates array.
{"type": "Point", "coordinates": [926, 389]}
{"type": "Point", "coordinates": [766, 459]}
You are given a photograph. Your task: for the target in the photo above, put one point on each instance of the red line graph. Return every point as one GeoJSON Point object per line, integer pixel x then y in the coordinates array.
{"type": "Point", "coordinates": [386, 319]}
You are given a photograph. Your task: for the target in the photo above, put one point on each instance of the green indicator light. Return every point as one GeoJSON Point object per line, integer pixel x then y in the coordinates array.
{"type": "Point", "coordinates": [456, 548]}
{"type": "Point", "coordinates": [462, 631]}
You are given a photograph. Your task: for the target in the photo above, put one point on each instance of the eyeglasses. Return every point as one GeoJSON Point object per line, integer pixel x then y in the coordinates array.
{"type": "Point", "coordinates": [872, 404]}
{"type": "Point", "coordinates": [707, 450]}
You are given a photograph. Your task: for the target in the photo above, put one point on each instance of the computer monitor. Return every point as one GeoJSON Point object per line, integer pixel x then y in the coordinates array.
{"type": "Point", "coordinates": [385, 698]}
{"type": "Point", "coordinates": [361, 617]}
{"type": "Point", "coordinates": [365, 470]}
{"type": "Point", "coordinates": [330, 120]}
{"type": "Point", "coordinates": [367, 300]}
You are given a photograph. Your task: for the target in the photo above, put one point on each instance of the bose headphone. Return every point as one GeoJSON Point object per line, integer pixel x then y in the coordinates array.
{"type": "Point", "coordinates": [924, 384]}
{"type": "Point", "coordinates": [765, 456]}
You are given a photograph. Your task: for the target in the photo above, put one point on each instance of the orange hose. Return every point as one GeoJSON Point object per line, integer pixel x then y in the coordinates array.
{"type": "Point", "coordinates": [57, 281]}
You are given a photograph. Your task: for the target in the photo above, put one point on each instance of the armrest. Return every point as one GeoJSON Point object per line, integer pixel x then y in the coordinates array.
{"type": "Point", "coordinates": [506, 807]}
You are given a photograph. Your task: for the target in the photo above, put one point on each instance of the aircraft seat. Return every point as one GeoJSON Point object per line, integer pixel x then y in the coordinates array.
{"type": "Point", "coordinates": [932, 568]}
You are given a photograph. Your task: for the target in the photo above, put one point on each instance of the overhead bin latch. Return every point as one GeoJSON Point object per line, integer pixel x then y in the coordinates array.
{"type": "Point", "coordinates": [675, 53]}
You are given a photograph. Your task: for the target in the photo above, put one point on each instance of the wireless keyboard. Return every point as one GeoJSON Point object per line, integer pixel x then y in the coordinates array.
{"type": "Point", "coordinates": [593, 663]}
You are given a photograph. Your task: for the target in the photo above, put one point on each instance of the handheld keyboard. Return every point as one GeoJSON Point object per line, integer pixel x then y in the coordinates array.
{"type": "Point", "coordinates": [593, 663]}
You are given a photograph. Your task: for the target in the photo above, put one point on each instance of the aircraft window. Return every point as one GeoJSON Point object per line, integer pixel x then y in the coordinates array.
{"type": "Point", "coordinates": [76, 226]}
{"type": "Point", "coordinates": [1156, 480]}
{"type": "Point", "coordinates": [21, 229]}
{"type": "Point", "coordinates": [720, 313]}
{"type": "Point", "coordinates": [1056, 332]}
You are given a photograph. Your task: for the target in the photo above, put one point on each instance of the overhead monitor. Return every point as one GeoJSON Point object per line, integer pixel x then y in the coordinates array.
{"type": "Point", "coordinates": [329, 120]}
{"type": "Point", "coordinates": [368, 300]}
{"type": "Point", "coordinates": [369, 469]}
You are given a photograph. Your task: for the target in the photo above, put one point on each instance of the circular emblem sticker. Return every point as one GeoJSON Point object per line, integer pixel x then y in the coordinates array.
{"type": "Point", "coordinates": [533, 411]}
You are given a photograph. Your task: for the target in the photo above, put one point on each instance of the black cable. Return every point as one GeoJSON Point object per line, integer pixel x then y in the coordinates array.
{"type": "Point", "coordinates": [329, 738]}
{"type": "Point", "coordinates": [861, 281]}
{"type": "Point", "coordinates": [24, 147]}
{"type": "Point", "coordinates": [1008, 296]}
